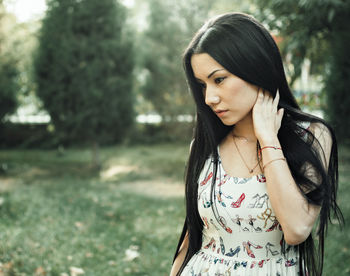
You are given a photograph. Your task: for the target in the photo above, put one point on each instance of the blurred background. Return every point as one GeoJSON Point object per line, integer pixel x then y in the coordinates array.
{"type": "Point", "coordinates": [96, 122]}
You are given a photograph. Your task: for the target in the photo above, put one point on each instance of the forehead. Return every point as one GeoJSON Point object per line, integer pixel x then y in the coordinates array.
{"type": "Point", "coordinates": [203, 64]}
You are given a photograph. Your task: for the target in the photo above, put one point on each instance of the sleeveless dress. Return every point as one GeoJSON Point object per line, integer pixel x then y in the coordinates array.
{"type": "Point", "coordinates": [246, 237]}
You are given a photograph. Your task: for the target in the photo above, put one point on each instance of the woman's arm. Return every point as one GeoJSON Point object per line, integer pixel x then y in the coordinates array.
{"type": "Point", "coordinates": [292, 210]}
{"type": "Point", "coordinates": [180, 257]}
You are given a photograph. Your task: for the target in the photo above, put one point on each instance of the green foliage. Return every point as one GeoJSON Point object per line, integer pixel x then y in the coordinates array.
{"type": "Point", "coordinates": [83, 70]}
{"type": "Point", "coordinates": [17, 43]}
{"type": "Point", "coordinates": [338, 77]}
{"type": "Point", "coordinates": [171, 27]}
{"type": "Point", "coordinates": [9, 85]}
{"type": "Point", "coordinates": [9, 74]}
{"type": "Point", "coordinates": [304, 25]}
{"type": "Point", "coordinates": [318, 30]}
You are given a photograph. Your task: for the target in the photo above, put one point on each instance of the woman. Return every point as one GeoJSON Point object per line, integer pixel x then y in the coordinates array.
{"type": "Point", "coordinates": [260, 170]}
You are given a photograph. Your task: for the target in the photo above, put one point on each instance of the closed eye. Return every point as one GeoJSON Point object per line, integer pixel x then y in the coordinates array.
{"type": "Point", "coordinates": [219, 80]}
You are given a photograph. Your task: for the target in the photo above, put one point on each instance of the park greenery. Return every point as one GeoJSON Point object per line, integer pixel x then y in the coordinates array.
{"type": "Point", "coordinates": [57, 215]}
{"type": "Point", "coordinates": [83, 71]}
{"type": "Point", "coordinates": [9, 73]}
{"type": "Point", "coordinates": [96, 65]}
{"type": "Point", "coordinates": [319, 31]}
{"type": "Point", "coordinates": [93, 66]}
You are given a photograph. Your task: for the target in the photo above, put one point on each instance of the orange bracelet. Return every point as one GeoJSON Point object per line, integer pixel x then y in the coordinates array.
{"type": "Point", "coordinates": [283, 158]}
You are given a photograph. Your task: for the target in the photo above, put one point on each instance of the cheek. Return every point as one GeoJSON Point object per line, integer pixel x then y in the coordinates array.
{"type": "Point", "coordinates": [237, 86]}
{"type": "Point", "coordinates": [242, 94]}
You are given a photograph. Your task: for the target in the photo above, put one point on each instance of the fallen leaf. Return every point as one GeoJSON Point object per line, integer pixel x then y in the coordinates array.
{"type": "Point", "coordinates": [79, 224]}
{"type": "Point", "coordinates": [131, 253]}
{"type": "Point", "coordinates": [74, 271]}
{"type": "Point", "coordinates": [40, 271]}
{"type": "Point", "coordinates": [127, 270]}
{"type": "Point", "coordinates": [7, 266]}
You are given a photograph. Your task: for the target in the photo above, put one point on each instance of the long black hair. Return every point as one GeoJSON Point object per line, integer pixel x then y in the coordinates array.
{"type": "Point", "coordinates": [246, 49]}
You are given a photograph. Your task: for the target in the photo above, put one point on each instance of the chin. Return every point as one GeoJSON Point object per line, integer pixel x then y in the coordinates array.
{"type": "Point", "coordinates": [228, 122]}
{"type": "Point", "coordinates": [233, 120]}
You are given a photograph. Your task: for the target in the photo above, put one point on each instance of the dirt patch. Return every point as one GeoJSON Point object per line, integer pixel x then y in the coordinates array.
{"type": "Point", "coordinates": [34, 172]}
{"type": "Point", "coordinates": [17, 178]}
{"type": "Point", "coordinates": [8, 183]}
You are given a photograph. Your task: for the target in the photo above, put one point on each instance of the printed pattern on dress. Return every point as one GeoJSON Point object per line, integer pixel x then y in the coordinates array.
{"type": "Point", "coordinates": [240, 229]}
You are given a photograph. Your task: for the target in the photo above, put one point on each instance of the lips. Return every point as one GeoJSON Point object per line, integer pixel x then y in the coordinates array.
{"type": "Point", "coordinates": [220, 112]}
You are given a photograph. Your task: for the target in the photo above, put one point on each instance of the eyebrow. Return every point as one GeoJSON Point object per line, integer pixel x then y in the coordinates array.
{"type": "Point", "coordinates": [212, 73]}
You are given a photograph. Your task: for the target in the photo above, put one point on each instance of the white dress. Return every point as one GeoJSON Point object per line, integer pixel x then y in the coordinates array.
{"type": "Point", "coordinates": [246, 239]}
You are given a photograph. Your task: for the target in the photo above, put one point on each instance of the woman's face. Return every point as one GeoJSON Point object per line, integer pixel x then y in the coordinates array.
{"type": "Point", "coordinates": [230, 97]}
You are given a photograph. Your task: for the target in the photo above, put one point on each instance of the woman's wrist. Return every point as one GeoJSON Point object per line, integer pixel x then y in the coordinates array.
{"type": "Point", "coordinates": [269, 141]}
{"type": "Point", "coordinates": [273, 160]}
{"type": "Point", "coordinates": [270, 149]}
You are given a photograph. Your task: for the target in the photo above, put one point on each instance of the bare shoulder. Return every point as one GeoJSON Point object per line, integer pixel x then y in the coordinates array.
{"type": "Point", "coordinates": [321, 132]}
{"type": "Point", "coordinates": [323, 144]}
{"type": "Point", "coordinates": [324, 139]}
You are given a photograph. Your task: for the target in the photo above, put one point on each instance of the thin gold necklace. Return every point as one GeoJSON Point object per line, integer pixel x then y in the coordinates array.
{"type": "Point", "coordinates": [242, 138]}
{"type": "Point", "coordinates": [250, 170]}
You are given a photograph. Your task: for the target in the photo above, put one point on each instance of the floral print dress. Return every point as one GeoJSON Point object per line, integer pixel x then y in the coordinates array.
{"type": "Point", "coordinates": [246, 239]}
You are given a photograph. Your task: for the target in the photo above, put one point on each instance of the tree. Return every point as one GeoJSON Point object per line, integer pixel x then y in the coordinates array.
{"type": "Point", "coordinates": [318, 30]}
{"type": "Point", "coordinates": [170, 28]}
{"type": "Point", "coordinates": [9, 85]}
{"type": "Point", "coordinates": [9, 74]}
{"type": "Point", "coordinates": [83, 69]}
{"type": "Point", "coordinates": [338, 75]}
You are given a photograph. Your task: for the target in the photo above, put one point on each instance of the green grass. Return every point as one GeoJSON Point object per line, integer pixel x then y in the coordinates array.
{"type": "Point", "coordinates": [56, 213]}
{"type": "Point", "coordinates": [337, 246]}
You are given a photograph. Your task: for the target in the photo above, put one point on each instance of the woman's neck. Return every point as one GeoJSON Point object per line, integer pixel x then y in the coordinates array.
{"type": "Point", "coordinates": [245, 129]}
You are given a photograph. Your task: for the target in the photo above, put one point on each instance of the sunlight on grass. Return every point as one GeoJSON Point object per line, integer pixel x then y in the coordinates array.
{"type": "Point", "coordinates": [57, 216]}
{"type": "Point", "coordinates": [113, 171]}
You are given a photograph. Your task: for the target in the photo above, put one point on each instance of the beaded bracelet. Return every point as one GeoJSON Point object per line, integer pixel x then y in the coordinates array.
{"type": "Point", "coordinates": [272, 147]}
{"type": "Point", "coordinates": [283, 158]}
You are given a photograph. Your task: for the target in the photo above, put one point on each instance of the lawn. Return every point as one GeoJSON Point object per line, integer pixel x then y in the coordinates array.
{"type": "Point", "coordinates": [59, 218]}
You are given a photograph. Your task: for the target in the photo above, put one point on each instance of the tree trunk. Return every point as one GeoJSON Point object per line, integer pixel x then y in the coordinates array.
{"type": "Point", "coordinates": [95, 161]}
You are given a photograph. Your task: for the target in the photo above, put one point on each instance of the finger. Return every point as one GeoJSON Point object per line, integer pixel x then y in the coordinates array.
{"type": "Point", "coordinates": [276, 100]}
{"type": "Point", "coordinates": [268, 99]}
{"type": "Point", "coordinates": [260, 95]}
{"type": "Point", "coordinates": [265, 97]}
{"type": "Point", "coordinates": [280, 113]}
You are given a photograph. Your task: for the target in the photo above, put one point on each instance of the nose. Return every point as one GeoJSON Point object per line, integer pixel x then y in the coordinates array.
{"type": "Point", "coordinates": [211, 97]}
